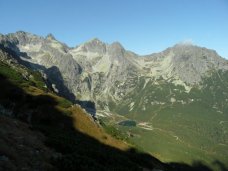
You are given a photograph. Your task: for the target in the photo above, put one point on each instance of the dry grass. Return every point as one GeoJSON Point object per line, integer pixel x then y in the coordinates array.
{"type": "Point", "coordinates": [82, 121]}
{"type": "Point", "coordinates": [85, 124]}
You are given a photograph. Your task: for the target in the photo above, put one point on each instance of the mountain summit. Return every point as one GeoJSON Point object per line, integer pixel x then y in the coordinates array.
{"type": "Point", "coordinates": [50, 37]}
{"type": "Point", "coordinates": [187, 62]}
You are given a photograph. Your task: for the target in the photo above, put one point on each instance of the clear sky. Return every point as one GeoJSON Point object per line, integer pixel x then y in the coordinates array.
{"type": "Point", "coordinates": [142, 26]}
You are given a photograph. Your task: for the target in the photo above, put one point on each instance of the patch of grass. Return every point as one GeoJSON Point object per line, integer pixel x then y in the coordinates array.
{"type": "Point", "coordinates": [114, 132]}
{"type": "Point", "coordinates": [10, 73]}
{"type": "Point", "coordinates": [37, 80]}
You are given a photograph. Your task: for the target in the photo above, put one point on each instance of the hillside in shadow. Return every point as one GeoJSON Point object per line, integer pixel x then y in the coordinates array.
{"type": "Point", "coordinates": [55, 119]}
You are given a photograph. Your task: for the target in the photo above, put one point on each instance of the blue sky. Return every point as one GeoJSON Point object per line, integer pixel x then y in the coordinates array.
{"type": "Point", "coordinates": [142, 26]}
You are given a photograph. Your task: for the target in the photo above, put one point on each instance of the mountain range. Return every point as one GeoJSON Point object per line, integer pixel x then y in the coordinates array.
{"type": "Point", "coordinates": [105, 73]}
{"type": "Point", "coordinates": [172, 104]}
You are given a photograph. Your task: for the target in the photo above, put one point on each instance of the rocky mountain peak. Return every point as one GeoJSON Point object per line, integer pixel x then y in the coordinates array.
{"type": "Point", "coordinates": [117, 46]}
{"type": "Point", "coordinates": [50, 37]}
{"type": "Point", "coordinates": [190, 51]}
{"type": "Point", "coordinates": [95, 41]}
{"type": "Point", "coordinates": [23, 38]}
{"type": "Point", "coordinates": [116, 50]}
{"type": "Point", "coordinates": [93, 45]}
{"type": "Point", "coordinates": [191, 62]}
{"type": "Point", "coordinates": [22, 33]}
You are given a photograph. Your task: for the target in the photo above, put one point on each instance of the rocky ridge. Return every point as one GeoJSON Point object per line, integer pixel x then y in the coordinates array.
{"type": "Point", "coordinates": [107, 73]}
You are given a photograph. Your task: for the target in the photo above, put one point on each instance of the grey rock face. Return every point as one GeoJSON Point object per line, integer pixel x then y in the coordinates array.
{"type": "Point", "coordinates": [95, 46]}
{"type": "Point", "coordinates": [44, 54]}
{"type": "Point", "coordinates": [107, 73]}
{"type": "Point", "coordinates": [192, 62]}
{"type": "Point", "coordinates": [188, 63]}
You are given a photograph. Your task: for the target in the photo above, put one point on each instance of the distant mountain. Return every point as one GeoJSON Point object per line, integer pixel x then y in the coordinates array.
{"type": "Point", "coordinates": [186, 62]}
{"type": "Point", "coordinates": [178, 96]}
